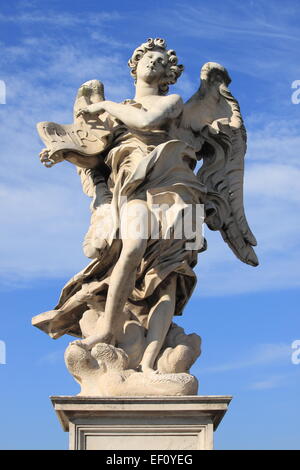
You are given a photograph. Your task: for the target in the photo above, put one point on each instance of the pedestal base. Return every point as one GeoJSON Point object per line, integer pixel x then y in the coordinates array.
{"type": "Point", "coordinates": [141, 423]}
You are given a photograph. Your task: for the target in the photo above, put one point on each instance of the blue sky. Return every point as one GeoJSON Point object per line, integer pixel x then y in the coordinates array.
{"type": "Point", "coordinates": [247, 317]}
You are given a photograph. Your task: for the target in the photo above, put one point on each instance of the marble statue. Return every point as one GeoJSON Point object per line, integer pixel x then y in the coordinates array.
{"type": "Point", "coordinates": [136, 160]}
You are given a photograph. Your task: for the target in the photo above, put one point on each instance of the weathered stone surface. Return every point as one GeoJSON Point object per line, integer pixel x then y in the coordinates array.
{"type": "Point", "coordinates": [136, 160]}
{"type": "Point", "coordinates": [145, 423]}
{"type": "Point", "coordinates": [104, 371]}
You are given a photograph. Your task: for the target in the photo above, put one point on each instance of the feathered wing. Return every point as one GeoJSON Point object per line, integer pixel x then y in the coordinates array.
{"type": "Point", "coordinates": [212, 123]}
{"type": "Point", "coordinates": [83, 143]}
{"type": "Point", "coordinates": [94, 181]}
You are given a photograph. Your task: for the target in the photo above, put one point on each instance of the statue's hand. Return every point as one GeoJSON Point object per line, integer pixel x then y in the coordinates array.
{"type": "Point", "coordinates": [44, 155]}
{"type": "Point", "coordinates": [82, 112]}
{"type": "Point", "coordinates": [92, 109]}
{"type": "Point", "coordinates": [48, 161]}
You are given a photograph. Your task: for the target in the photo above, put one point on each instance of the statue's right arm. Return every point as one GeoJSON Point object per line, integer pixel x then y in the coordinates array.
{"type": "Point", "coordinates": [169, 108]}
{"type": "Point", "coordinates": [92, 162]}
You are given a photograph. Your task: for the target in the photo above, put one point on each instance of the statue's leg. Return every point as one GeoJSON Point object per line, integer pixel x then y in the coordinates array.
{"type": "Point", "coordinates": [122, 280]}
{"type": "Point", "coordinates": [160, 319]}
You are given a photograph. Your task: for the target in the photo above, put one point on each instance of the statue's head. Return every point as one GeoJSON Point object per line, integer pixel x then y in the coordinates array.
{"type": "Point", "coordinates": [154, 63]}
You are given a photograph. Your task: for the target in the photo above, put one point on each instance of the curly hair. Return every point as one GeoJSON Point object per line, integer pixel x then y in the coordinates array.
{"type": "Point", "coordinates": [173, 70]}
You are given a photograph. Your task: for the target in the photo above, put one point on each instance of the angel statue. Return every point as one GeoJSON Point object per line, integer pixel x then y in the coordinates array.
{"type": "Point", "coordinates": [137, 161]}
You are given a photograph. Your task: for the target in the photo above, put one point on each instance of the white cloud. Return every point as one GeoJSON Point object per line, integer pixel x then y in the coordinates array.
{"type": "Point", "coordinates": [262, 355]}
{"type": "Point", "coordinates": [64, 20]}
{"type": "Point", "coordinates": [52, 358]}
{"type": "Point", "coordinates": [251, 36]}
{"type": "Point", "coordinates": [42, 231]}
{"type": "Point", "coordinates": [44, 214]}
{"type": "Point", "coordinates": [267, 384]}
{"type": "Point", "coordinates": [276, 141]}
{"type": "Point", "coordinates": [262, 179]}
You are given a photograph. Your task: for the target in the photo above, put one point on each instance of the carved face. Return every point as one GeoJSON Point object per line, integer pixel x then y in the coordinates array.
{"type": "Point", "coordinates": [151, 67]}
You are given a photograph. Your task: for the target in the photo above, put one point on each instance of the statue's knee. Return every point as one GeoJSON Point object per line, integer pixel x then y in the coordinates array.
{"type": "Point", "coordinates": [134, 252]}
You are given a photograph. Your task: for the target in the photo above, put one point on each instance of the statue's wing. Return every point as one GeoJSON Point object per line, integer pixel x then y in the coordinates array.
{"type": "Point", "coordinates": [84, 144]}
{"type": "Point", "coordinates": [94, 181]}
{"type": "Point", "coordinates": [87, 137]}
{"type": "Point", "coordinates": [212, 123]}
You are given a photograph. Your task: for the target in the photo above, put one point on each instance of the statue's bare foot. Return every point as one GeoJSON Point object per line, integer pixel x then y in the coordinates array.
{"type": "Point", "coordinates": [147, 370]}
{"type": "Point", "coordinates": [80, 343]}
{"type": "Point", "coordinates": [90, 341]}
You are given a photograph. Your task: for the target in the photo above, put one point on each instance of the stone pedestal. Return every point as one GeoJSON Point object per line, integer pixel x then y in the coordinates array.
{"type": "Point", "coordinates": [141, 423]}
